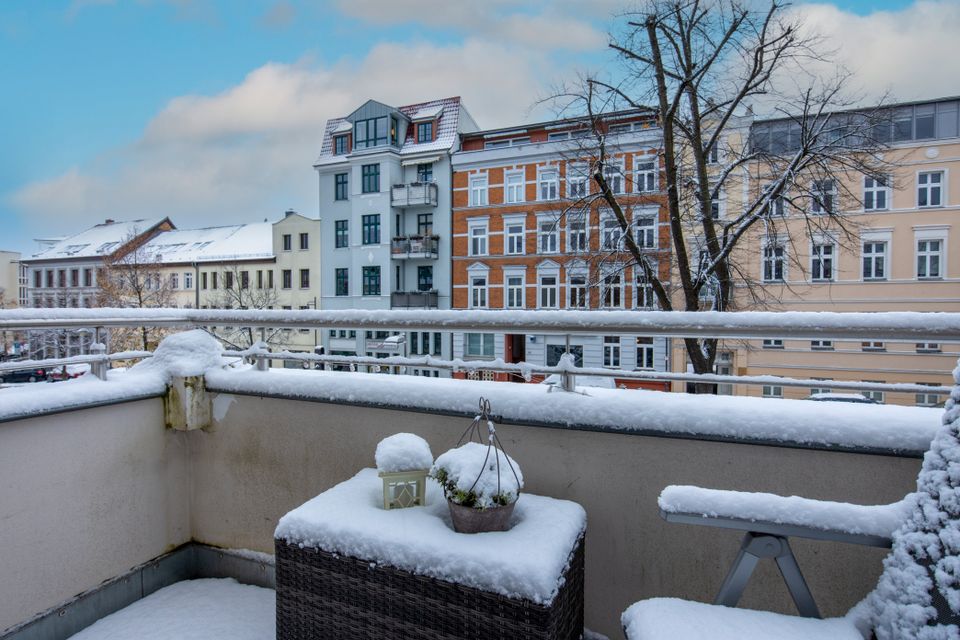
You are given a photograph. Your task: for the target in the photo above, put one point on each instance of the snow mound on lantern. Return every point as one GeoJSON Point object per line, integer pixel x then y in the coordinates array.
{"type": "Point", "coordinates": [403, 452]}
{"type": "Point", "coordinates": [472, 470]}
{"type": "Point", "coordinates": [189, 353]}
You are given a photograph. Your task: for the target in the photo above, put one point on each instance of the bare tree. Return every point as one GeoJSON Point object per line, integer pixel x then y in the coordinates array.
{"type": "Point", "coordinates": [134, 279]}
{"type": "Point", "coordinates": [238, 291]}
{"type": "Point", "coordinates": [701, 64]}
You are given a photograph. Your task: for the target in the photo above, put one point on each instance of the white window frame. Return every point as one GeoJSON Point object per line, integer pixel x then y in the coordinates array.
{"type": "Point", "coordinates": [514, 272]}
{"type": "Point", "coordinates": [580, 219]}
{"type": "Point", "coordinates": [772, 391]}
{"type": "Point", "coordinates": [548, 183]}
{"type": "Point", "coordinates": [479, 190]}
{"type": "Point", "coordinates": [548, 272]}
{"type": "Point", "coordinates": [879, 187]}
{"type": "Point", "coordinates": [612, 352]}
{"type": "Point", "coordinates": [485, 338]}
{"type": "Point", "coordinates": [929, 188]}
{"type": "Point", "coordinates": [644, 297]}
{"type": "Point", "coordinates": [577, 174]}
{"type": "Point", "coordinates": [873, 257]}
{"type": "Point", "coordinates": [772, 343]}
{"type": "Point", "coordinates": [553, 229]}
{"type": "Point", "coordinates": [646, 347]}
{"type": "Point", "coordinates": [926, 254]}
{"type": "Point", "coordinates": [188, 280]}
{"type": "Point", "coordinates": [613, 172]}
{"type": "Point", "coordinates": [611, 235]}
{"type": "Point", "coordinates": [645, 178]}
{"type": "Point", "coordinates": [823, 252]}
{"type": "Point", "coordinates": [815, 205]}
{"type": "Point", "coordinates": [514, 187]}
{"type": "Point", "coordinates": [509, 238]}
{"type": "Point", "coordinates": [773, 244]}
{"type": "Point", "coordinates": [578, 272]}
{"type": "Point", "coordinates": [479, 294]}
{"type": "Point", "coordinates": [616, 292]}
{"type": "Point", "coordinates": [478, 237]}
{"type": "Point", "coordinates": [647, 235]}
{"type": "Point", "coordinates": [821, 345]}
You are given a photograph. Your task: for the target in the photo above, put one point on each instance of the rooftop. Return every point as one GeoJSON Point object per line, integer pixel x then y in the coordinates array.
{"type": "Point", "coordinates": [98, 241]}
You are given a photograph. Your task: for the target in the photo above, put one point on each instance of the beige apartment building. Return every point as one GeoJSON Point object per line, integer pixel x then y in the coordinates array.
{"type": "Point", "coordinates": [13, 280]}
{"type": "Point", "coordinates": [899, 252]}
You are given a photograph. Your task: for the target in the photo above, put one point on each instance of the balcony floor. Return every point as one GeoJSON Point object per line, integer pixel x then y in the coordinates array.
{"type": "Point", "coordinates": [206, 609]}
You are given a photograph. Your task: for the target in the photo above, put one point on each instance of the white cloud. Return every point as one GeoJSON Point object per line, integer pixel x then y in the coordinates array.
{"type": "Point", "coordinates": [246, 153]}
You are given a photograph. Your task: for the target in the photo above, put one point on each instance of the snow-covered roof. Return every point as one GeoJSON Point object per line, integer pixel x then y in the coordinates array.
{"type": "Point", "coordinates": [447, 110]}
{"type": "Point", "coordinates": [98, 241]}
{"type": "Point", "coordinates": [214, 244]}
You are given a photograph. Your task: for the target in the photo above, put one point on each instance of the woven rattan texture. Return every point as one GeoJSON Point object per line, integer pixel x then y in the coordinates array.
{"type": "Point", "coordinates": [322, 596]}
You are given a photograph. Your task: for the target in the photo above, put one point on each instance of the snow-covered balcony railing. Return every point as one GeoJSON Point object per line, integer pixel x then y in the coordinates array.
{"type": "Point", "coordinates": [414, 194]}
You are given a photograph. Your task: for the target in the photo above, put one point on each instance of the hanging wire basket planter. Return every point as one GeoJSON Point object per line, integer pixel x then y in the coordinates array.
{"type": "Point", "coordinates": [480, 481]}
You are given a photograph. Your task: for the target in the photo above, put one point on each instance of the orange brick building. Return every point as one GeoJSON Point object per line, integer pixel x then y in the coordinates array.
{"type": "Point", "coordinates": [530, 233]}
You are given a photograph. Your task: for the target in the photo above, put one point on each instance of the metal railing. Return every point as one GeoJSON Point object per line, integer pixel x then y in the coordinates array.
{"type": "Point", "coordinates": [414, 299]}
{"type": "Point", "coordinates": [414, 194]}
{"type": "Point", "coordinates": [911, 327]}
{"type": "Point", "coordinates": [415, 246]}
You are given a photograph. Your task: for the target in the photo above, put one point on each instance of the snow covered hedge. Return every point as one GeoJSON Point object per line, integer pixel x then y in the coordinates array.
{"type": "Point", "coordinates": [918, 596]}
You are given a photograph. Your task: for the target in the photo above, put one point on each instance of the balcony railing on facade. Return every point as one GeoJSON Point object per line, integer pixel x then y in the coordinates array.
{"type": "Point", "coordinates": [414, 299]}
{"type": "Point", "coordinates": [415, 247]}
{"type": "Point", "coordinates": [414, 194]}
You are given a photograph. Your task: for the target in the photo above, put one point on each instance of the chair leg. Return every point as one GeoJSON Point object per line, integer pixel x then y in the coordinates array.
{"type": "Point", "coordinates": [739, 574]}
{"type": "Point", "coordinates": [796, 584]}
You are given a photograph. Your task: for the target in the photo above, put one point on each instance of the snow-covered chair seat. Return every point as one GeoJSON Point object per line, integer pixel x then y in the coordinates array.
{"type": "Point", "coordinates": [916, 598]}
{"type": "Point", "coordinates": [675, 619]}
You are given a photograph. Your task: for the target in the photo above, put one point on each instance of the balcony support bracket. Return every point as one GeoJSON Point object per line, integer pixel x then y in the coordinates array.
{"type": "Point", "coordinates": [187, 405]}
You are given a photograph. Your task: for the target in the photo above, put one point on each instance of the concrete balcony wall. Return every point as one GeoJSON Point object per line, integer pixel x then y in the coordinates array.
{"type": "Point", "coordinates": [267, 455]}
{"type": "Point", "coordinates": [84, 496]}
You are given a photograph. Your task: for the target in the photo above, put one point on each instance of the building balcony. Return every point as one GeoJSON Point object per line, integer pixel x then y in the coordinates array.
{"type": "Point", "coordinates": [415, 247]}
{"type": "Point", "coordinates": [414, 299]}
{"type": "Point", "coordinates": [123, 482]}
{"type": "Point", "coordinates": [414, 194]}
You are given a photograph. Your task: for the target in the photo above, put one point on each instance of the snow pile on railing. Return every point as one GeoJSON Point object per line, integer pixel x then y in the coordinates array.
{"type": "Point", "coordinates": [877, 520]}
{"type": "Point", "coordinates": [882, 427]}
{"type": "Point", "coordinates": [182, 354]}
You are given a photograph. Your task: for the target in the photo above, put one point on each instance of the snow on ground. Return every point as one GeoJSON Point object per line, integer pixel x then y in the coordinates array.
{"type": "Point", "coordinates": [885, 427]}
{"type": "Point", "coordinates": [403, 452]}
{"type": "Point", "coordinates": [525, 562]}
{"type": "Point", "coordinates": [207, 609]}
{"type": "Point", "coordinates": [673, 619]}
{"type": "Point", "coordinates": [877, 520]}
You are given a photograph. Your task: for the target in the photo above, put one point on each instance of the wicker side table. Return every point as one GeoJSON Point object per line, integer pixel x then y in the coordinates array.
{"type": "Point", "coordinates": [321, 595]}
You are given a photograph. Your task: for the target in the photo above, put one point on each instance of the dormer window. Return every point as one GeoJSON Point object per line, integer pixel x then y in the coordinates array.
{"type": "Point", "coordinates": [425, 131]}
{"type": "Point", "coordinates": [394, 132]}
{"type": "Point", "coordinates": [371, 132]}
{"type": "Point", "coordinates": [341, 145]}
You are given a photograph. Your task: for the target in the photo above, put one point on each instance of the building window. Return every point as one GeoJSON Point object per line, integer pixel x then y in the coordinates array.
{"type": "Point", "coordinates": [370, 228]}
{"type": "Point", "coordinates": [304, 241]}
{"type": "Point", "coordinates": [478, 292]}
{"type": "Point", "coordinates": [340, 145]}
{"type": "Point", "coordinates": [371, 281]}
{"type": "Point", "coordinates": [928, 347]}
{"type": "Point", "coordinates": [611, 351]}
{"type": "Point", "coordinates": [613, 175]}
{"type": "Point", "coordinates": [645, 178]}
{"type": "Point", "coordinates": [872, 345]}
{"type": "Point", "coordinates": [876, 396]}
{"type": "Point", "coordinates": [713, 153]}
{"type": "Point", "coordinates": [930, 189]}
{"type": "Point", "coordinates": [874, 260]}
{"type": "Point", "coordinates": [548, 234]}
{"type": "Point", "coordinates": [478, 345]}
{"type": "Point", "coordinates": [578, 181]}
{"type": "Point", "coordinates": [227, 280]}
{"type": "Point", "coordinates": [478, 191]}
{"type": "Point", "coordinates": [646, 232]}
{"type": "Point", "coordinates": [304, 278]}
{"type": "Point", "coordinates": [187, 280]}
{"type": "Point", "coordinates": [578, 292]}
{"type": "Point", "coordinates": [342, 279]}
{"type": "Point", "coordinates": [549, 287]}
{"type": "Point", "coordinates": [74, 277]}
{"type": "Point", "coordinates": [244, 279]}
{"type": "Point", "coordinates": [37, 279]}
{"type": "Point", "coordinates": [174, 280]}
{"type": "Point", "coordinates": [478, 239]}
{"type": "Point", "coordinates": [772, 391]}
{"type": "Point", "coordinates": [610, 234]}
{"type": "Point", "coordinates": [515, 289]}
{"type": "Point", "coordinates": [370, 133]}
{"type": "Point", "coordinates": [424, 132]}
{"type": "Point", "coordinates": [876, 193]}
{"type": "Point", "coordinates": [515, 234]}
{"type": "Point", "coordinates": [821, 262]}
{"type": "Point", "coordinates": [270, 279]}
{"type": "Point", "coordinates": [547, 184]}
{"type": "Point", "coordinates": [645, 296]}
{"type": "Point", "coordinates": [425, 278]}
{"type": "Point", "coordinates": [556, 351]}
{"type": "Point", "coordinates": [715, 205]}
{"type": "Point", "coordinates": [927, 399]}
{"type": "Point", "coordinates": [341, 233]}
{"type": "Point", "coordinates": [425, 224]}
{"type": "Point", "coordinates": [611, 297]}
{"type": "Point", "coordinates": [425, 172]}
{"type": "Point", "coordinates": [773, 343]}
{"type": "Point", "coordinates": [821, 345]}
{"type": "Point", "coordinates": [370, 178]}
{"type": "Point", "coordinates": [286, 279]}
{"type": "Point", "coordinates": [773, 263]}
{"type": "Point", "coordinates": [287, 242]}
{"type": "Point", "coordinates": [823, 196]}
{"type": "Point", "coordinates": [203, 280]}
{"type": "Point", "coordinates": [514, 187]}
{"type": "Point", "coordinates": [577, 235]}
{"type": "Point", "coordinates": [644, 353]}
{"type": "Point", "coordinates": [929, 258]}
{"type": "Point", "coordinates": [340, 186]}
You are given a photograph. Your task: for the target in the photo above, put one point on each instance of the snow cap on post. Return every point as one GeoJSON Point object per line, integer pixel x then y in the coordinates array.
{"type": "Point", "coordinates": [918, 595]}
{"type": "Point", "coordinates": [403, 452]}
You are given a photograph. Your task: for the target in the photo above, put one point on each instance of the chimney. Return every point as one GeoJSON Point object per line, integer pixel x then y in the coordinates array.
{"type": "Point", "coordinates": [288, 213]}
{"type": "Point", "coordinates": [108, 221]}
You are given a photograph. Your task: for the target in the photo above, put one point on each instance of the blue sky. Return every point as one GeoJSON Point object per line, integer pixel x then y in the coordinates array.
{"type": "Point", "coordinates": [107, 99]}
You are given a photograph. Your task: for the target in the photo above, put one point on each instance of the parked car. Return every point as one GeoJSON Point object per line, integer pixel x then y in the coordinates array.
{"type": "Point", "coordinates": [23, 375]}
{"type": "Point", "coordinates": [842, 397]}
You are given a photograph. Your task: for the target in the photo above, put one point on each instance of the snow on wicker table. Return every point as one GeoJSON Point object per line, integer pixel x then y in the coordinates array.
{"type": "Point", "coordinates": [536, 566]}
